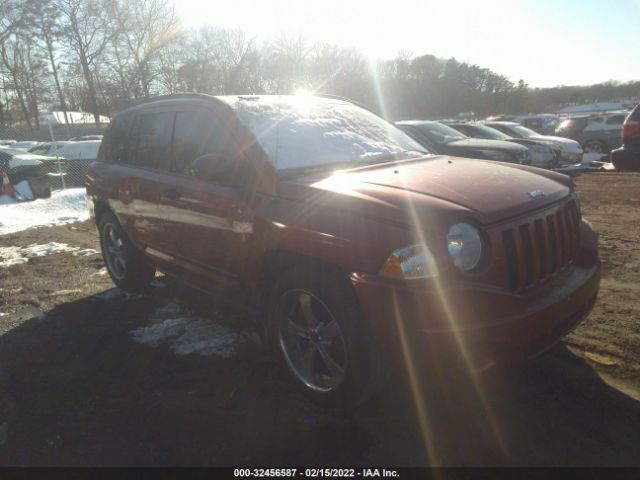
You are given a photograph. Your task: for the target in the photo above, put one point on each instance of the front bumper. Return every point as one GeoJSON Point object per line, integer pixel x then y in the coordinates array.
{"type": "Point", "coordinates": [571, 157]}
{"type": "Point", "coordinates": [456, 322]}
{"type": "Point", "coordinates": [626, 158]}
{"type": "Point", "coordinates": [541, 159]}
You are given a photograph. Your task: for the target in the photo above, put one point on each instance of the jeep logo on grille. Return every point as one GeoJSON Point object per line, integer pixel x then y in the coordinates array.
{"type": "Point", "coordinates": [536, 194]}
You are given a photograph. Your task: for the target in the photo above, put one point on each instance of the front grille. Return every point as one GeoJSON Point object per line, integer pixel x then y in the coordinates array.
{"type": "Point", "coordinates": [540, 248]}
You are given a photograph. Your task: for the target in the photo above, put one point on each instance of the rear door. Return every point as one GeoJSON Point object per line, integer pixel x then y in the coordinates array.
{"type": "Point", "coordinates": [203, 218]}
{"type": "Point", "coordinates": [613, 130]}
{"type": "Point", "coordinates": [143, 163]}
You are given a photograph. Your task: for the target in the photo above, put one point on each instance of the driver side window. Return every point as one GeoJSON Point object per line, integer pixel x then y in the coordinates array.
{"type": "Point", "coordinates": [196, 134]}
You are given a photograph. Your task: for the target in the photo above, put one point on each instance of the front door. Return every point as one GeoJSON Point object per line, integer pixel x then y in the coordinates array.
{"type": "Point", "coordinates": [204, 219]}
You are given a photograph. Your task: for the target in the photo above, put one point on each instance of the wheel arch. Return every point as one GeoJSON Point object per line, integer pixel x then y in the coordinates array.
{"type": "Point", "coordinates": [604, 143]}
{"type": "Point", "coordinates": [278, 261]}
{"type": "Point", "coordinates": [100, 207]}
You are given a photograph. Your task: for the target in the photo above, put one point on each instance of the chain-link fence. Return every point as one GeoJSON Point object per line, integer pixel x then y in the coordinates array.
{"type": "Point", "coordinates": [47, 158]}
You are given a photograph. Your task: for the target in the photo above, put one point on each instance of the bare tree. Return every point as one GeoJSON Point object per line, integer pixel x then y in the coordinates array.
{"type": "Point", "coordinates": [142, 30]}
{"type": "Point", "coordinates": [11, 55]}
{"type": "Point", "coordinates": [86, 31]}
{"type": "Point", "coordinates": [286, 63]}
{"type": "Point", "coordinates": [47, 26]}
{"type": "Point", "coordinates": [217, 61]}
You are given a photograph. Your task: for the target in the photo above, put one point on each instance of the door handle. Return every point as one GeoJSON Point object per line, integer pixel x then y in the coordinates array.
{"type": "Point", "coordinates": [170, 193]}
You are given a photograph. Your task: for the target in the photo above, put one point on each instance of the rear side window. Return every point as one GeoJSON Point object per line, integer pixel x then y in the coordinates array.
{"type": "Point", "coordinates": [615, 120]}
{"type": "Point", "coordinates": [149, 142]}
{"type": "Point", "coordinates": [573, 124]}
{"type": "Point", "coordinates": [195, 134]}
{"type": "Point", "coordinates": [532, 123]}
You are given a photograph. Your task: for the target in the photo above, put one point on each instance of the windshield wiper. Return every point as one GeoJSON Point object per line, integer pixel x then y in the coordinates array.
{"type": "Point", "coordinates": [297, 171]}
{"type": "Point", "coordinates": [394, 156]}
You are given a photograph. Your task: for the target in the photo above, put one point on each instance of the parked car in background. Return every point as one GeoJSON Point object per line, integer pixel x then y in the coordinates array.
{"type": "Point", "coordinates": [47, 148]}
{"type": "Point", "coordinates": [596, 133]}
{"type": "Point", "coordinates": [25, 145]}
{"type": "Point", "coordinates": [541, 153]}
{"type": "Point", "coordinates": [570, 150]}
{"type": "Point", "coordinates": [572, 127]}
{"type": "Point", "coordinates": [628, 156]}
{"type": "Point", "coordinates": [356, 244]}
{"type": "Point", "coordinates": [21, 166]}
{"type": "Point", "coordinates": [444, 140]}
{"type": "Point", "coordinates": [84, 138]}
{"type": "Point", "coordinates": [500, 118]}
{"type": "Point", "coordinates": [71, 162]}
{"type": "Point", "coordinates": [542, 123]}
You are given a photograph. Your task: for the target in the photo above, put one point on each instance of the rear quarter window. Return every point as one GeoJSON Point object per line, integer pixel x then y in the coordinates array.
{"type": "Point", "coordinates": [616, 120]}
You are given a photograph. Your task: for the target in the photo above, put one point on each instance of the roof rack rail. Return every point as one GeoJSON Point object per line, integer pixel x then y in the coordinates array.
{"type": "Point", "coordinates": [194, 96]}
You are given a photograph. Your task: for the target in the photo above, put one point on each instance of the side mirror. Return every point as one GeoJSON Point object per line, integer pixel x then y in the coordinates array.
{"type": "Point", "coordinates": [215, 167]}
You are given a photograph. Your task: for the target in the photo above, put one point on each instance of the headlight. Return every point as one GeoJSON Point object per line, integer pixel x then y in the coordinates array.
{"type": "Point", "coordinates": [410, 262]}
{"type": "Point", "coordinates": [496, 155]}
{"type": "Point", "coordinates": [540, 148]}
{"type": "Point", "coordinates": [465, 246]}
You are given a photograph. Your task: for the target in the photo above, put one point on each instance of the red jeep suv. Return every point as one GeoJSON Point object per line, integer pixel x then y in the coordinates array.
{"type": "Point", "coordinates": [357, 243]}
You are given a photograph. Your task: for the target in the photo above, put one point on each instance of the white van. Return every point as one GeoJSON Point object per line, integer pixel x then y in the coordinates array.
{"type": "Point", "coordinates": [87, 150]}
{"type": "Point", "coordinates": [71, 161]}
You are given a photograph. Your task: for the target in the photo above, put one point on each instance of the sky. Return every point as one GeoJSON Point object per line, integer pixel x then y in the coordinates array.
{"type": "Point", "coordinates": [546, 43]}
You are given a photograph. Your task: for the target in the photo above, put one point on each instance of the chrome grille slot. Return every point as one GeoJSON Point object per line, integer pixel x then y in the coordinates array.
{"type": "Point", "coordinates": [542, 247]}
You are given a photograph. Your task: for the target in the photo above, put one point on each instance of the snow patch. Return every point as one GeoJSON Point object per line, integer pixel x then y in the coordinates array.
{"type": "Point", "coordinates": [18, 255]}
{"type": "Point", "coordinates": [63, 207]}
{"type": "Point", "coordinates": [99, 273]}
{"type": "Point", "coordinates": [23, 190]}
{"type": "Point", "coordinates": [85, 252]}
{"type": "Point", "coordinates": [71, 291]}
{"type": "Point", "coordinates": [187, 334]}
{"type": "Point", "coordinates": [35, 250]}
{"type": "Point", "coordinates": [10, 256]}
{"type": "Point", "coordinates": [592, 157]}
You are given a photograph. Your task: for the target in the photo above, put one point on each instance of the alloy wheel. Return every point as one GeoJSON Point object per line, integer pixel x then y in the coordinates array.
{"type": "Point", "coordinates": [114, 251]}
{"type": "Point", "coordinates": [594, 148]}
{"type": "Point", "coordinates": [312, 341]}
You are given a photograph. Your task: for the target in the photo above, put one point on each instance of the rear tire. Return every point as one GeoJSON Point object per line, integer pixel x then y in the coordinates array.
{"type": "Point", "coordinates": [315, 327]}
{"type": "Point", "coordinates": [127, 266]}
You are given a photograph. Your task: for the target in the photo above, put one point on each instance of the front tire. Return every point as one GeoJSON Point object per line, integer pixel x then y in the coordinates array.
{"type": "Point", "coordinates": [127, 267]}
{"type": "Point", "coordinates": [316, 328]}
{"type": "Point", "coordinates": [596, 146]}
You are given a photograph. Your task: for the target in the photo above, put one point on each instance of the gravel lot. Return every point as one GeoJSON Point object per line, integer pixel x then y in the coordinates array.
{"type": "Point", "coordinates": [92, 376]}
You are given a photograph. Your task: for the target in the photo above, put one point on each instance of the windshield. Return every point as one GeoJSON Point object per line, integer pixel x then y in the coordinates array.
{"type": "Point", "coordinates": [523, 132]}
{"type": "Point", "coordinates": [440, 133]}
{"type": "Point", "coordinates": [492, 133]}
{"type": "Point", "coordinates": [310, 132]}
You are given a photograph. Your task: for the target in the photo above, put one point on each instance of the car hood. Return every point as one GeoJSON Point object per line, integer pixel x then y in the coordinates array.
{"type": "Point", "coordinates": [566, 144]}
{"type": "Point", "coordinates": [26, 160]}
{"type": "Point", "coordinates": [489, 191]}
{"type": "Point", "coordinates": [529, 141]}
{"type": "Point", "coordinates": [481, 143]}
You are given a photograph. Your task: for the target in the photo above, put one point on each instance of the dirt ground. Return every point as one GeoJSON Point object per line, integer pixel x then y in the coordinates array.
{"type": "Point", "coordinates": [75, 389]}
